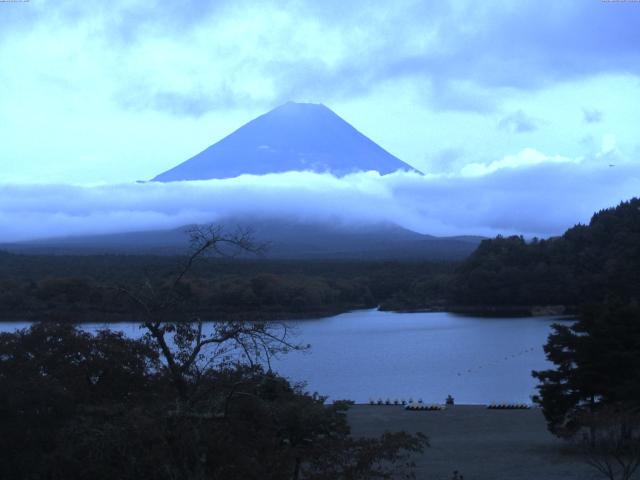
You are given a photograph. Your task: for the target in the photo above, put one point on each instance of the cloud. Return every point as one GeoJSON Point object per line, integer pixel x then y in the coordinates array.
{"type": "Point", "coordinates": [176, 57]}
{"type": "Point", "coordinates": [518, 122]}
{"type": "Point", "coordinates": [525, 158]}
{"type": "Point", "coordinates": [528, 193]}
{"type": "Point", "coordinates": [592, 115]}
{"type": "Point", "coordinates": [445, 160]}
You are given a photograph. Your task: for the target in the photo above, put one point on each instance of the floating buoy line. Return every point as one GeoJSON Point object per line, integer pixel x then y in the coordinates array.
{"type": "Point", "coordinates": [497, 362]}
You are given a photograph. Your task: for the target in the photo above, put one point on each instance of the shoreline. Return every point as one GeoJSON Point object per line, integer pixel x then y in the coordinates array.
{"type": "Point", "coordinates": [511, 312]}
{"type": "Point", "coordinates": [508, 311]}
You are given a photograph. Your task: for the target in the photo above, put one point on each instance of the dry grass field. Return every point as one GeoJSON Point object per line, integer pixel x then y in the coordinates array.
{"type": "Point", "coordinates": [481, 444]}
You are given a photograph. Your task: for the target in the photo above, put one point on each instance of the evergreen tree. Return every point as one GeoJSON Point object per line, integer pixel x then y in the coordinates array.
{"type": "Point", "coordinates": [597, 363]}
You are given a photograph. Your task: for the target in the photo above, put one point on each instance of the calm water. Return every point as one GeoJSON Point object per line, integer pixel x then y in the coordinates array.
{"type": "Point", "coordinates": [369, 354]}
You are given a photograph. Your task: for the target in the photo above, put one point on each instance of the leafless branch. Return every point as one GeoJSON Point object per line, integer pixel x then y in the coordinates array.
{"type": "Point", "coordinates": [613, 445]}
{"type": "Point", "coordinates": [183, 344]}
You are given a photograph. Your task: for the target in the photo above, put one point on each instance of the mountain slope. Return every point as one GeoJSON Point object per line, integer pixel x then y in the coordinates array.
{"type": "Point", "coordinates": [292, 137]}
{"type": "Point", "coordinates": [285, 238]}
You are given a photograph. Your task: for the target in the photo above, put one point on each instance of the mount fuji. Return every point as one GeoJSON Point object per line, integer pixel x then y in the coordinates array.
{"type": "Point", "coordinates": [291, 137]}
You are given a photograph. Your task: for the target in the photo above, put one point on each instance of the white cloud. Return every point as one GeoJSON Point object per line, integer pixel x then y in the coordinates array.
{"type": "Point", "coordinates": [525, 158]}
{"type": "Point", "coordinates": [528, 193]}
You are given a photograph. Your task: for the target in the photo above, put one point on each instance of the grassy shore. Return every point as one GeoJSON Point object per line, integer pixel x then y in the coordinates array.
{"type": "Point", "coordinates": [480, 443]}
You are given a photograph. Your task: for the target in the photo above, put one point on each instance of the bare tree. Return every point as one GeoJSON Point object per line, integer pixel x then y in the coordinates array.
{"type": "Point", "coordinates": [187, 346]}
{"type": "Point", "coordinates": [612, 444]}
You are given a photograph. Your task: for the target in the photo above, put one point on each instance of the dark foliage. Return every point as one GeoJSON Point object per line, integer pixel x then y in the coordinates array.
{"type": "Point", "coordinates": [52, 374]}
{"type": "Point", "coordinates": [597, 363]}
{"type": "Point", "coordinates": [68, 288]}
{"type": "Point", "coordinates": [77, 406]}
{"type": "Point", "coordinates": [586, 264]}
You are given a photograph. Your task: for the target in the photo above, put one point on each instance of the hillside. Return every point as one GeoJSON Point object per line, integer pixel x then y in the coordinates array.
{"type": "Point", "coordinates": [589, 263]}
{"type": "Point", "coordinates": [285, 239]}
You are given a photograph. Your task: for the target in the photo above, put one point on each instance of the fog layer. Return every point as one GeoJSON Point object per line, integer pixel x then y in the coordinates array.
{"type": "Point", "coordinates": [526, 194]}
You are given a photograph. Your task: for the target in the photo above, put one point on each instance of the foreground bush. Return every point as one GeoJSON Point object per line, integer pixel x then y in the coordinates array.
{"type": "Point", "coordinates": [81, 406]}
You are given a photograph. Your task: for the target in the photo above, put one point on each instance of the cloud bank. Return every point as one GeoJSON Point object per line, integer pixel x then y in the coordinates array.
{"type": "Point", "coordinates": [194, 56]}
{"type": "Point", "coordinates": [527, 193]}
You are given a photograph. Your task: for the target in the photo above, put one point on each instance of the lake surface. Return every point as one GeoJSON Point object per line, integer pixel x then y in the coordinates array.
{"type": "Point", "coordinates": [368, 354]}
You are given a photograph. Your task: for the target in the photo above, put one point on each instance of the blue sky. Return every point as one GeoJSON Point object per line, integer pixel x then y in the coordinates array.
{"type": "Point", "coordinates": [111, 92]}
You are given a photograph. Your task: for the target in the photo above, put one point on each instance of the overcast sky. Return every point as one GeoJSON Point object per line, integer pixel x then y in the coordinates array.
{"type": "Point", "coordinates": [472, 93]}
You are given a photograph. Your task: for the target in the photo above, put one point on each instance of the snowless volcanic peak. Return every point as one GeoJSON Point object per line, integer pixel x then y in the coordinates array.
{"type": "Point", "coordinates": [291, 137]}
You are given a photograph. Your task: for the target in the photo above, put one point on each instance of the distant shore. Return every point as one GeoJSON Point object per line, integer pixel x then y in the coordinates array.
{"type": "Point", "coordinates": [122, 317]}
{"type": "Point", "coordinates": [96, 316]}
{"type": "Point", "coordinates": [493, 311]}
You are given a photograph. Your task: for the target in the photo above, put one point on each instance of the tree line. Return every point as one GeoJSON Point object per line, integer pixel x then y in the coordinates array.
{"type": "Point", "coordinates": [80, 288]}
{"type": "Point", "coordinates": [589, 263]}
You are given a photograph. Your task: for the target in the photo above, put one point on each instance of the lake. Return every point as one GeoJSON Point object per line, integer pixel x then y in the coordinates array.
{"type": "Point", "coordinates": [368, 354]}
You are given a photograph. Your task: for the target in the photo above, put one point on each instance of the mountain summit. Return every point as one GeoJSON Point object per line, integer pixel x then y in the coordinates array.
{"type": "Point", "coordinates": [291, 137]}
